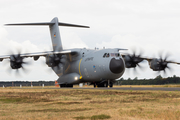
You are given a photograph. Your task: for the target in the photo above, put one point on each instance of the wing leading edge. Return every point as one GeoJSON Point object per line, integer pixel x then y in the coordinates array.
{"type": "Point", "coordinates": [39, 54]}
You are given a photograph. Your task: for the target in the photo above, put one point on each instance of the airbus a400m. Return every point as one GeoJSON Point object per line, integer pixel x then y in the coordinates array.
{"type": "Point", "coordinates": [73, 66]}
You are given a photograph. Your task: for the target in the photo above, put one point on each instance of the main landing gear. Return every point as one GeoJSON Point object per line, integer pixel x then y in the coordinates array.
{"type": "Point", "coordinates": [103, 84]}
{"type": "Point", "coordinates": [66, 86]}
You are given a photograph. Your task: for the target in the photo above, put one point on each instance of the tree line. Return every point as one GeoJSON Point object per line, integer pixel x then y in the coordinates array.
{"type": "Point", "coordinates": [27, 83]}
{"type": "Point", "coordinates": [159, 80]}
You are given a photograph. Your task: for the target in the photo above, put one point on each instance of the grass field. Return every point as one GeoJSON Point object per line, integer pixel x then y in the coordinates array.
{"type": "Point", "coordinates": [79, 104]}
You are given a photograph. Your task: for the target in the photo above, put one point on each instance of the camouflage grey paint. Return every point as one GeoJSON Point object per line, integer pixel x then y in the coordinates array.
{"type": "Point", "coordinates": [55, 35]}
{"type": "Point", "coordinates": [86, 65]}
{"type": "Point", "coordinates": [91, 66]}
{"type": "Point", "coordinates": [95, 67]}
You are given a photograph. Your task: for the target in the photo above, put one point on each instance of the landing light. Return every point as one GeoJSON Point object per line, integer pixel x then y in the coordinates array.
{"type": "Point", "coordinates": [76, 78]}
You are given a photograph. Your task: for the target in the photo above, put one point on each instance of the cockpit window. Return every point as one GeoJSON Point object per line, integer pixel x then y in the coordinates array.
{"type": "Point", "coordinates": [117, 54]}
{"type": "Point", "coordinates": [114, 54]}
{"type": "Point", "coordinates": [111, 55]}
{"type": "Point", "coordinates": [104, 55]}
{"type": "Point", "coordinates": [107, 55]}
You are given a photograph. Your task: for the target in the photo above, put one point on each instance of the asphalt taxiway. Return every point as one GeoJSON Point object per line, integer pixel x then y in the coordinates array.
{"type": "Point", "coordinates": [118, 88]}
{"type": "Point", "coordinates": [138, 88]}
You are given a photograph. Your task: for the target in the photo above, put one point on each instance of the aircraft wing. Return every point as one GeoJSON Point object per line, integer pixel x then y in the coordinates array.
{"type": "Point", "coordinates": [156, 64]}
{"type": "Point", "coordinates": [39, 54]}
{"type": "Point", "coordinates": [138, 58]}
{"type": "Point", "coordinates": [168, 61]}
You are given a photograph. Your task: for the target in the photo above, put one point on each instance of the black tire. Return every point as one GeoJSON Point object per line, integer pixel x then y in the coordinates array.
{"type": "Point", "coordinates": [62, 85]}
{"type": "Point", "coordinates": [70, 85]}
{"type": "Point", "coordinates": [66, 85]}
{"type": "Point", "coordinates": [104, 84]}
{"type": "Point", "coordinates": [110, 84]}
{"type": "Point", "coordinates": [100, 85]}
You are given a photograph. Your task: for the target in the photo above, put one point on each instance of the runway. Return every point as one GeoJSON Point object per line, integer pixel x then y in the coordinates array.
{"type": "Point", "coordinates": [138, 88]}
{"type": "Point", "coordinates": [118, 88]}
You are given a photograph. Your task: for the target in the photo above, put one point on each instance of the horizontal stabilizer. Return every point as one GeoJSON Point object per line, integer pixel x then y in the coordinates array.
{"type": "Point", "coordinates": [49, 23]}
{"type": "Point", "coordinates": [45, 23]}
{"type": "Point", "coordinates": [71, 25]}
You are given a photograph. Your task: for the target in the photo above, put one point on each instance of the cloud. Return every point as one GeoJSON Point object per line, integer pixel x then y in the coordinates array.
{"type": "Point", "coordinates": [72, 40]}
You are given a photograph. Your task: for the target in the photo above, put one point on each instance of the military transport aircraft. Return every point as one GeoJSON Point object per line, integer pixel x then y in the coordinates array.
{"type": "Point", "coordinates": [100, 67]}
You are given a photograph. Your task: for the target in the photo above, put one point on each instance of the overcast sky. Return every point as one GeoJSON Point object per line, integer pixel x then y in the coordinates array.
{"type": "Point", "coordinates": [148, 25]}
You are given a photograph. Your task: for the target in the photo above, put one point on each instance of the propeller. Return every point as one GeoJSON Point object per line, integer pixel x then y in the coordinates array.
{"type": "Point", "coordinates": [163, 63]}
{"type": "Point", "coordinates": [133, 60]}
{"type": "Point", "coordinates": [54, 61]}
{"type": "Point", "coordinates": [17, 62]}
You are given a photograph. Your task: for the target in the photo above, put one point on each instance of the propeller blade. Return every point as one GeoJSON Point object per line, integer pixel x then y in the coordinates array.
{"type": "Point", "coordinates": [133, 60]}
{"type": "Point", "coordinates": [140, 66]}
{"type": "Point", "coordinates": [17, 62]}
{"type": "Point", "coordinates": [17, 73]}
{"type": "Point", "coordinates": [54, 61]}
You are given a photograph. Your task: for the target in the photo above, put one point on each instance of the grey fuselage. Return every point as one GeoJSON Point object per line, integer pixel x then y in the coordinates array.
{"type": "Point", "coordinates": [94, 65]}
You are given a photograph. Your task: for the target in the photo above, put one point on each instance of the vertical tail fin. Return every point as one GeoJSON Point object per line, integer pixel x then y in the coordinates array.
{"type": "Point", "coordinates": [54, 31]}
{"type": "Point", "coordinates": [55, 35]}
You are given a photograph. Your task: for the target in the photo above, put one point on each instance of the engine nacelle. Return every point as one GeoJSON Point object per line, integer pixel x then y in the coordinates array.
{"type": "Point", "coordinates": [15, 65]}
{"type": "Point", "coordinates": [157, 64]}
{"type": "Point", "coordinates": [153, 64]}
{"type": "Point", "coordinates": [129, 65]}
{"type": "Point", "coordinates": [49, 60]}
{"type": "Point", "coordinates": [16, 62]}
{"type": "Point", "coordinates": [53, 60]}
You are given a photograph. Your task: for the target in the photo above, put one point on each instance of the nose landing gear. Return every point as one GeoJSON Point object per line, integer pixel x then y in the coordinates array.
{"type": "Point", "coordinates": [66, 85]}
{"type": "Point", "coordinates": [110, 84]}
{"type": "Point", "coordinates": [104, 84]}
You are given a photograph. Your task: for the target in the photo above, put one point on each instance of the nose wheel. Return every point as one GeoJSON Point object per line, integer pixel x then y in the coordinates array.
{"type": "Point", "coordinates": [66, 86]}
{"type": "Point", "coordinates": [111, 84]}
{"type": "Point", "coordinates": [104, 84]}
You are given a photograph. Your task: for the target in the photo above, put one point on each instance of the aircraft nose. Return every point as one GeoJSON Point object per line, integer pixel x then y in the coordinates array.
{"type": "Point", "coordinates": [116, 65]}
